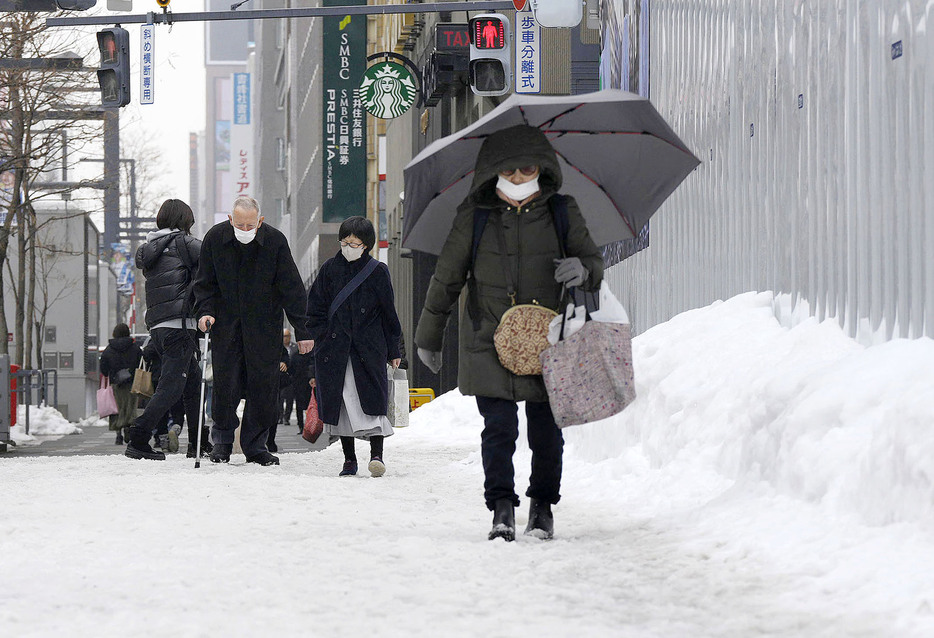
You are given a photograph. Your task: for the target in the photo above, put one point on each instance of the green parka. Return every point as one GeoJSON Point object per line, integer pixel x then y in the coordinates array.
{"type": "Point", "coordinates": [532, 246]}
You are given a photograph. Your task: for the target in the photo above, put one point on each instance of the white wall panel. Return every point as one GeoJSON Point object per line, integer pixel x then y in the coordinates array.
{"type": "Point", "coordinates": [817, 177]}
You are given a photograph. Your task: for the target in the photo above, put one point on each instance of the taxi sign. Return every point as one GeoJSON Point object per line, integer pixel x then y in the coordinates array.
{"type": "Point", "coordinates": [420, 396]}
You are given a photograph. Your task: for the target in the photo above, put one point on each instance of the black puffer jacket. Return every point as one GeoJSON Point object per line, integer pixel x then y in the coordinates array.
{"type": "Point", "coordinates": [122, 353]}
{"type": "Point", "coordinates": [168, 279]}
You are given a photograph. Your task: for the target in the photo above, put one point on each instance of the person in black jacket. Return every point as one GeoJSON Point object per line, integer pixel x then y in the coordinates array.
{"type": "Point", "coordinates": [118, 361]}
{"type": "Point", "coordinates": [246, 279]}
{"type": "Point", "coordinates": [353, 345]}
{"type": "Point", "coordinates": [168, 260]}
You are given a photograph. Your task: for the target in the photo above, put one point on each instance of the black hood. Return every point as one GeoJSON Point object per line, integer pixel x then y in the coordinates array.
{"type": "Point", "coordinates": [150, 252]}
{"type": "Point", "coordinates": [514, 147]}
{"type": "Point", "coordinates": [121, 344]}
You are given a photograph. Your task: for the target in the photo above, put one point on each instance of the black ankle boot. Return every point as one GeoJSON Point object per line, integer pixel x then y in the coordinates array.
{"type": "Point", "coordinates": [221, 453]}
{"type": "Point", "coordinates": [541, 520]}
{"type": "Point", "coordinates": [138, 446]}
{"type": "Point", "coordinates": [504, 520]}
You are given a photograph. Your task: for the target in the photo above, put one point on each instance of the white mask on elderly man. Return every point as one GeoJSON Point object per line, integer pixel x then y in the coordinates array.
{"type": "Point", "coordinates": [352, 254]}
{"type": "Point", "coordinates": [517, 192]}
{"type": "Point", "coordinates": [244, 236]}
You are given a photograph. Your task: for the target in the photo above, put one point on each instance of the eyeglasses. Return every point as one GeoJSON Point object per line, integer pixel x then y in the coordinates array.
{"type": "Point", "coordinates": [525, 170]}
{"type": "Point", "coordinates": [349, 245]}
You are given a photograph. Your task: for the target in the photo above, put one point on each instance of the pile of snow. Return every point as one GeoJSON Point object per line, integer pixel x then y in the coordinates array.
{"type": "Point", "coordinates": [93, 421]}
{"type": "Point", "coordinates": [729, 391]}
{"type": "Point", "coordinates": [44, 421]}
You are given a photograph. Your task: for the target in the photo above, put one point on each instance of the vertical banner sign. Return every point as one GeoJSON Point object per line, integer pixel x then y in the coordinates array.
{"type": "Point", "coordinates": [344, 63]}
{"type": "Point", "coordinates": [147, 61]}
{"type": "Point", "coordinates": [528, 52]}
{"type": "Point", "coordinates": [242, 161]}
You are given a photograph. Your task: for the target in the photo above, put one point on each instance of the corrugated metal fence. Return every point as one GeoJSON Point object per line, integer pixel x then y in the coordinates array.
{"type": "Point", "coordinates": [815, 125]}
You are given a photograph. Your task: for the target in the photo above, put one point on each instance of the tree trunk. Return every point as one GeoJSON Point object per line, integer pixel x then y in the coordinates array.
{"type": "Point", "coordinates": [30, 215]}
{"type": "Point", "coordinates": [20, 319]}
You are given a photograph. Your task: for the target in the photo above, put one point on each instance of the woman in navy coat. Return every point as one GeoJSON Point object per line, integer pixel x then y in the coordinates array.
{"type": "Point", "coordinates": [353, 346]}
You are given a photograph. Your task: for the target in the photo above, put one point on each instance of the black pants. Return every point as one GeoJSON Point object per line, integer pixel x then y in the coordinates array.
{"type": "Point", "coordinates": [498, 444]}
{"type": "Point", "coordinates": [180, 378]}
{"type": "Point", "coordinates": [302, 397]}
{"type": "Point", "coordinates": [235, 378]}
{"type": "Point", "coordinates": [286, 399]}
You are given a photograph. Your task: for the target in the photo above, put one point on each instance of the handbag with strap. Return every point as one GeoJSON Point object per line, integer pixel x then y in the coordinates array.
{"type": "Point", "coordinates": [142, 380]}
{"type": "Point", "coordinates": [589, 375]}
{"type": "Point", "coordinates": [314, 426]}
{"type": "Point", "coordinates": [522, 333]}
{"type": "Point", "coordinates": [106, 401]}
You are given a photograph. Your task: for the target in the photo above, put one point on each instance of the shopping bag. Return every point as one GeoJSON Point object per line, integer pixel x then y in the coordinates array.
{"type": "Point", "coordinates": [589, 375]}
{"type": "Point", "coordinates": [142, 381]}
{"type": "Point", "coordinates": [314, 426]}
{"type": "Point", "coordinates": [106, 401]}
{"type": "Point", "coordinates": [398, 409]}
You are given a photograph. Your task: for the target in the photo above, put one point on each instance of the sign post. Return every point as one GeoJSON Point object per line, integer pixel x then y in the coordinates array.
{"type": "Point", "coordinates": [528, 52]}
{"type": "Point", "coordinates": [147, 64]}
{"type": "Point", "coordinates": [242, 160]}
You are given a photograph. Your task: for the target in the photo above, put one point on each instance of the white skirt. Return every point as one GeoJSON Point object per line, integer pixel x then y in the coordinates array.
{"type": "Point", "coordinates": [353, 420]}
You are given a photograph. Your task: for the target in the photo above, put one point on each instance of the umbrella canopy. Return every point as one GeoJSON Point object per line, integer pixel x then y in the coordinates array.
{"type": "Point", "coordinates": [619, 158]}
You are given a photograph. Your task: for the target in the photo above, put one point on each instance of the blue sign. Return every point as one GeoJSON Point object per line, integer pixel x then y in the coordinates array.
{"type": "Point", "coordinates": [241, 98]}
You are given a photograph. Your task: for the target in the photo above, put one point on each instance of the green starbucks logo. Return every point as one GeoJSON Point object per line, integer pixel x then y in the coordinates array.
{"type": "Point", "coordinates": [387, 90]}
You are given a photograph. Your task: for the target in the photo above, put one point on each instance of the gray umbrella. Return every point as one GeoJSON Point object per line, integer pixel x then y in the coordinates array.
{"type": "Point", "coordinates": [618, 157]}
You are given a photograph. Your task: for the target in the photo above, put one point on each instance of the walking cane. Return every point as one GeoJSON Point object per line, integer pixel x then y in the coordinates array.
{"type": "Point", "coordinates": [204, 364]}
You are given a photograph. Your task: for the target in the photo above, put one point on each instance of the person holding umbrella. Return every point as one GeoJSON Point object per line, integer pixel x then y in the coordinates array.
{"type": "Point", "coordinates": [515, 186]}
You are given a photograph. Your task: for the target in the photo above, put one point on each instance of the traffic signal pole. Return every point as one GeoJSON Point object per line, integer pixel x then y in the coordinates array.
{"type": "Point", "coordinates": [271, 14]}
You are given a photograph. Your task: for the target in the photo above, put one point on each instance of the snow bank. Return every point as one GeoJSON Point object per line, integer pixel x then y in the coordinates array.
{"type": "Point", "coordinates": [730, 390]}
{"type": "Point", "coordinates": [45, 421]}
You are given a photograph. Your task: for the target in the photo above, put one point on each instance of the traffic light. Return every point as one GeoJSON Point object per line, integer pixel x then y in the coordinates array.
{"type": "Point", "coordinates": [164, 4]}
{"type": "Point", "coordinates": [46, 5]}
{"type": "Point", "coordinates": [558, 13]}
{"type": "Point", "coordinates": [490, 70]}
{"type": "Point", "coordinates": [114, 74]}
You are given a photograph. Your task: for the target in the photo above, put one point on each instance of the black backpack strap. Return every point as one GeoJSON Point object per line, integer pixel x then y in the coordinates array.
{"type": "Point", "coordinates": [480, 217]}
{"type": "Point", "coordinates": [559, 212]}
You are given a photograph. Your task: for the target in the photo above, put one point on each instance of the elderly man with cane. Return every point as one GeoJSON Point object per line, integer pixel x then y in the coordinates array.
{"type": "Point", "coordinates": [246, 279]}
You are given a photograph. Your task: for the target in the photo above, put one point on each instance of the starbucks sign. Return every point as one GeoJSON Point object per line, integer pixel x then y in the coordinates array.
{"type": "Point", "coordinates": [387, 90]}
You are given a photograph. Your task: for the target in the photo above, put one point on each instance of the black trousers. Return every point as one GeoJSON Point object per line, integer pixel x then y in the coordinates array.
{"type": "Point", "coordinates": [498, 444]}
{"type": "Point", "coordinates": [180, 379]}
{"type": "Point", "coordinates": [259, 385]}
{"type": "Point", "coordinates": [286, 399]}
{"type": "Point", "coordinates": [302, 397]}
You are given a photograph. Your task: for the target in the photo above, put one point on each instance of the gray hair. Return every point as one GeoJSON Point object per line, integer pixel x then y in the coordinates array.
{"type": "Point", "coordinates": [246, 203]}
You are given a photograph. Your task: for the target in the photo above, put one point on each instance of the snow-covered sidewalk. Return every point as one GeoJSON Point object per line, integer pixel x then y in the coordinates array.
{"type": "Point", "coordinates": [741, 495]}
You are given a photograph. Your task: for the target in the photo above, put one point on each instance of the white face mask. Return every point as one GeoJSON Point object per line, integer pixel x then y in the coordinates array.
{"type": "Point", "coordinates": [517, 192]}
{"type": "Point", "coordinates": [244, 236]}
{"type": "Point", "coordinates": [351, 254]}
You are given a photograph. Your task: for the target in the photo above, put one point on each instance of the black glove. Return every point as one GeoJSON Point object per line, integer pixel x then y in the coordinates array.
{"type": "Point", "coordinates": [570, 272]}
{"type": "Point", "coordinates": [430, 359]}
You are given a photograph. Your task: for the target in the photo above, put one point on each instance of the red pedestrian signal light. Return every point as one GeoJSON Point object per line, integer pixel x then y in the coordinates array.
{"type": "Point", "coordinates": [114, 73]}
{"type": "Point", "coordinates": [490, 68]}
{"type": "Point", "coordinates": [489, 33]}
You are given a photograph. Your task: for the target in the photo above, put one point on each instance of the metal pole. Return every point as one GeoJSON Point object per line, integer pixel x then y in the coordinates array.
{"type": "Point", "coordinates": [111, 178]}
{"type": "Point", "coordinates": [272, 14]}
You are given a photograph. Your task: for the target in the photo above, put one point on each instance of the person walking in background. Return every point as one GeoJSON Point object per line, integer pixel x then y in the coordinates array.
{"type": "Point", "coordinates": [118, 361]}
{"type": "Point", "coordinates": [168, 260]}
{"type": "Point", "coordinates": [516, 181]}
{"type": "Point", "coordinates": [285, 388]}
{"type": "Point", "coordinates": [245, 281]}
{"type": "Point", "coordinates": [302, 368]}
{"type": "Point", "coordinates": [286, 391]}
{"type": "Point", "coordinates": [352, 319]}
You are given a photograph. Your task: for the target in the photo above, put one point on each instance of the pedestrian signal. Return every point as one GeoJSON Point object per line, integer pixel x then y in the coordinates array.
{"type": "Point", "coordinates": [490, 70]}
{"type": "Point", "coordinates": [114, 74]}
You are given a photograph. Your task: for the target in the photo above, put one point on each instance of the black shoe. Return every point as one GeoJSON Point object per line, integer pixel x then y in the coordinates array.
{"type": "Point", "coordinates": [541, 520]}
{"type": "Point", "coordinates": [377, 467]}
{"type": "Point", "coordinates": [221, 453]}
{"type": "Point", "coordinates": [504, 520]}
{"type": "Point", "coordinates": [119, 440]}
{"type": "Point", "coordinates": [143, 451]}
{"type": "Point", "coordinates": [350, 468]}
{"type": "Point", "coordinates": [263, 458]}
{"type": "Point", "coordinates": [272, 446]}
